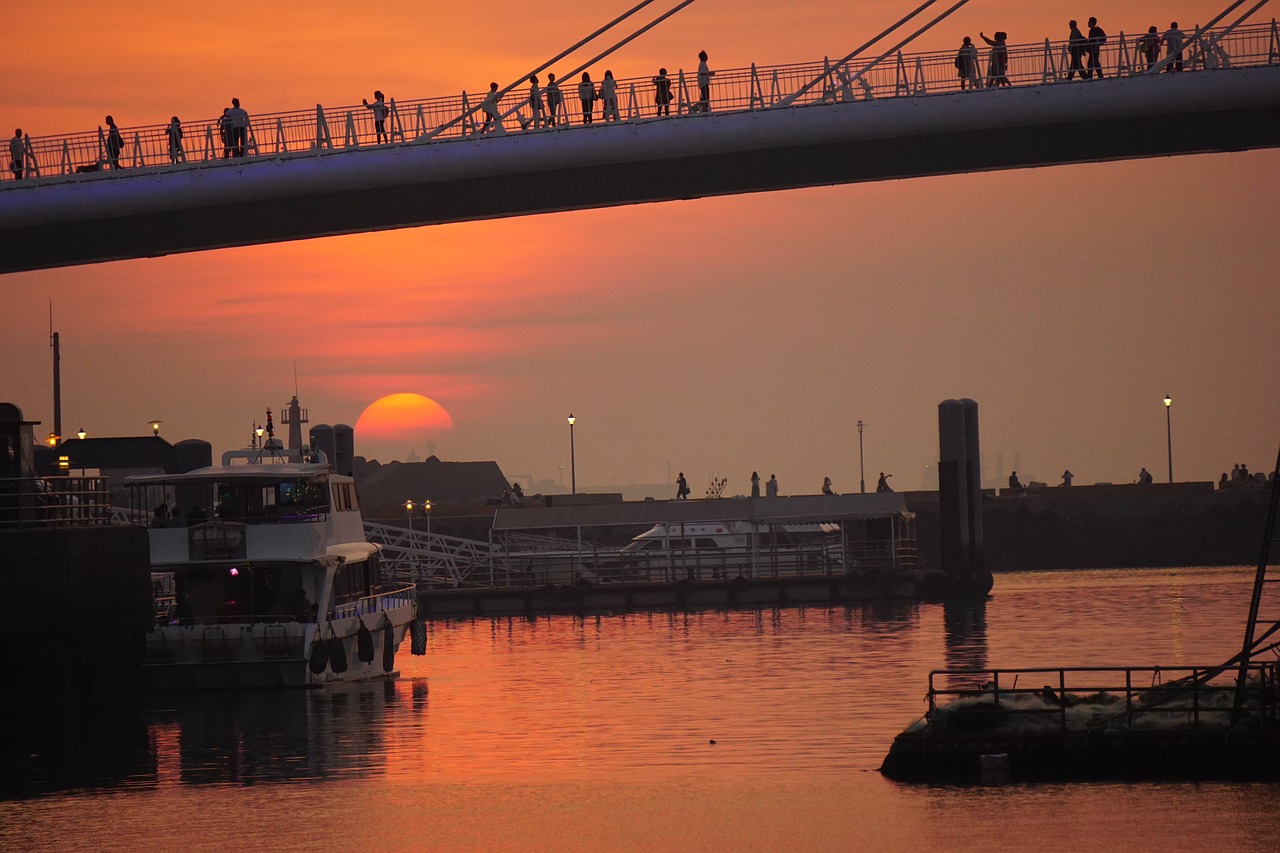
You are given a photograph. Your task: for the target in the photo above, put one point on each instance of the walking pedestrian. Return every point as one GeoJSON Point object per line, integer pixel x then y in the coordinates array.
{"type": "Point", "coordinates": [1097, 38]}
{"type": "Point", "coordinates": [554, 100]}
{"type": "Point", "coordinates": [115, 143]}
{"type": "Point", "coordinates": [535, 102]}
{"type": "Point", "coordinates": [662, 92]}
{"type": "Point", "coordinates": [17, 155]}
{"type": "Point", "coordinates": [1077, 46]}
{"type": "Point", "coordinates": [587, 94]}
{"type": "Point", "coordinates": [967, 65]}
{"type": "Point", "coordinates": [238, 123]}
{"type": "Point", "coordinates": [174, 134]}
{"type": "Point", "coordinates": [704, 83]}
{"type": "Point", "coordinates": [379, 108]}
{"type": "Point", "coordinates": [609, 98]}
{"type": "Point", "coordinates": [682, 487]}
{"type": "Point", "coordinates": [998, 60]}
{"type": "Point", "coordinates": [1173, 40]}
{"type": "Point", "coordinates": [490, 109]}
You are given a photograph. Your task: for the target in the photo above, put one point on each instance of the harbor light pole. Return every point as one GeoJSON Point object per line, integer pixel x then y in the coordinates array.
{"type": "Point", "coordinates": [426, 507]}
{"type": "Point", "coordinates": [408, 508]}
{"type": "Point", "coordinates": [862, 474]}
{"type": "Point", "coordinates": [573, 459]}
{"type": "Point", "coordinates": [1168, 430]}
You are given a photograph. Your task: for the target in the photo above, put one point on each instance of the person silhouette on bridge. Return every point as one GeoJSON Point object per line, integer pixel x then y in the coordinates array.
{"type": "Point", "coordinates": [704, 83]}
{"type": "Point", "coordinates": [554, 100]}
{"type": "Point", "coordinates": [490, 109]}
{"type": "Point", "coordinates": [883, 484]}
{"type": "Point", "coordinates": [535, 102]}
{"type": "Point", "coordinates": [238, 125]}
{"type": "Point", "coordinates": [114, 143]}
{"type": "Point", "coordinates": [1149, 44]}
{"type": "Point", "coordinates": [1077, 45]}
{"type": "Point", "coordinates": [1173, 40]}
{"type": "Point", "coordinates": [1097, 38]}
{"type": "Point", "coordinates": [967, 65]}
{"type": "Point", "coordinates": [771, 487]}
{"type": "Point", "coordinates": [662, 92]}
{"type": "Point", "coordinates": [1144, 477]}
{"type": "Point", "coordinates": [682, 488]}
{"type": "Point", "coordinates": [755, 484]}
{"type": "Point", "coordinates": [1067, 477]}
{"type": "Point", "coordinates": [998, 60]}
{"type": "Point", "coordinates": [17, 155]}
{"type": "Point", "coordinates": [379, 116]}
{"type": "Point", "coordinates": [609, 98]}
{"type": "Point", "coordinates": [587, 94]}
{"type": "Point", "coordinates": [1014, 482]}
{"type": "Point", "coordinates": [174, 134]}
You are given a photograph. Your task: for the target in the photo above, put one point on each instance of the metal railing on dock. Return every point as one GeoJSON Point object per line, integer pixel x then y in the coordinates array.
{"type": "Point", "coordinates": [54, 502]}
{"type": "Point", "coordinates": [1108, 697]}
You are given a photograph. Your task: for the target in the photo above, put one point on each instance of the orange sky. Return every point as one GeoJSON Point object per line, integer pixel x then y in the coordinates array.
{"type": "Point", "coordinates": [716, 336]}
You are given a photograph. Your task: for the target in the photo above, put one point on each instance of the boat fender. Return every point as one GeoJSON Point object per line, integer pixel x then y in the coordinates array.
{"type": "Point", "coordinates": [388, 645]}
{"type": "Point", "coordinates": [337, 653]}
{"type": "Point", "coordinates": [364, 643]}
{"type": "Point", "coordinates": [418, 637]}
{"type": "Point", "coordinates": [319, 656]}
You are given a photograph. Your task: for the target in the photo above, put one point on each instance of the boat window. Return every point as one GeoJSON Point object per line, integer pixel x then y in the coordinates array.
{"type": "Point", "coordinates": [705, 542]}
{"type": "Point", "coordinates": [344, 497]}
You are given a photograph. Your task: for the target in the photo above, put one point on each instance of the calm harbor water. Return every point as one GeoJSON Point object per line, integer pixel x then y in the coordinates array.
{"type": "Point", "coordinates": [563, 733]}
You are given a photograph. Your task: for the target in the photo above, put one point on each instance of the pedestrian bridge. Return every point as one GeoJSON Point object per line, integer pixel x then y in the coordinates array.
{"type": "Point", "coordinates": [322, 172]}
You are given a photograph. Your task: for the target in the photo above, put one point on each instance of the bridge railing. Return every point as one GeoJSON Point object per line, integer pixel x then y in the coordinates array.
{"type": "Point", "coordinates": [322, 130]}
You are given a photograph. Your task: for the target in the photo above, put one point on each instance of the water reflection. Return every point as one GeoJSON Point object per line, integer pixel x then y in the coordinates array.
{"type": "Point", "coordinates": [964, 625]}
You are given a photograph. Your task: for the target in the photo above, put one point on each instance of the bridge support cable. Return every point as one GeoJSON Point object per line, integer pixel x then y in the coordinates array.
{"type": "Point", "coordinates": [803, 90]}
{"type": "Point", "coordinates": [562, 54]}
{"type": "Point", "coordinates": [1196, 41]}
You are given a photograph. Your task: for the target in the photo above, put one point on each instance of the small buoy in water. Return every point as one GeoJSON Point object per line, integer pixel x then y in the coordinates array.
{"type": "Point", "coordinates": [713, 741]}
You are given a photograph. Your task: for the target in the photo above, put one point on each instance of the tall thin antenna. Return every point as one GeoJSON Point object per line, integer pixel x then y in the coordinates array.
{"type": "Point", "coordinates": [295, 379]}
{"type": "Point", "coordinates": [57, 377]}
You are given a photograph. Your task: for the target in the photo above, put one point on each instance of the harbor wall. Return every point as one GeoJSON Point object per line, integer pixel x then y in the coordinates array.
{"type": "Point", "coordinates": [1102, 527]}
{"type": "Point", "coordinates": [78, 606]}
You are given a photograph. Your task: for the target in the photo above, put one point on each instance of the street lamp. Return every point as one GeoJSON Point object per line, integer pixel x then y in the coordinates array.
{"type": "Point", "coordinates": [81, 434]}
{"type": "Point", "coordinates": [155, 427]}
{"type": "Point", "coordinates": [573, 459]}
{"type": "Point", "coordinates": [413, 551]}
{"type": "Point", "coordinates": [426, 507]}
{"type": "Point", "coordinates": [1168, 430]}
{"type": "Point", "coordinates": [862, 474]}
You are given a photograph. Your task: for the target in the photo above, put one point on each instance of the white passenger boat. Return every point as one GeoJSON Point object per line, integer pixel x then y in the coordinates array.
{"type": "Point", "coordinates": [270, 579]}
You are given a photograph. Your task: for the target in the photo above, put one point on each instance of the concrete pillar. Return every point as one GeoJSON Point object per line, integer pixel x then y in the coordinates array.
{"type": "Point", "coordinates": [973, 469]}
{"type": "Point", "coordinates": [953, 491]}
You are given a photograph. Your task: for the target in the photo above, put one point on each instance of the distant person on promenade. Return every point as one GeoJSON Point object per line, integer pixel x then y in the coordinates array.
{"type": "Point", "coordinates": [826, 486]}
{"type": "Point", "coordinates": [1067, 477]}
{"type": "Point", "coordinates": [174, 134]}
{"type": "Point", "coordinates": [682, 487]}
{"type": "Point", "coordinates": [704, 83]}
{"type": "Point", "coordinates": [662, 92]}
{"type": "Point", "coordinates": [17, 155]}
{"type": "Point", "coordinates": [883, 484]}
{"type": "Point", "coordinates": [379, 108]}
{"type": "Point", "coordinates": [1144, 477]}
{"type": "Point", "coordinates": [587, 94]}
{"type": "Point", "coordinates": [490, 109]}
{"type": "Point", "coordinates": [998, 61]}
{"type": "Point", "coordinates": [535, 103]}
{"type": "Point", "coordinates": [1097, 38]}
{"type": "Point", "coordinates": [609, 98]}
{"type": "Point", "coordinates": [1014, 482]}
{"type": "Point", "coordinates": [238, 123]}
{"type": "Point", "coordinates": [554, 100]}
{"type": "Point", "coordinates": [1173, 41]}
{"type": "Point", "coordinates": [115, 143]}
{"type": "Point", "coordinates": [1149, 44]}
{"type": "Point", "coordinates": [967, 65]}
{"type": "Point", "coordinates": [517, 493]}
{"type": "Point", "coordinates": [771, 487]}
{"type": "Point", "coordinates": [755, 485]}
{"type": "Point", "coordinates": [1077, 46]}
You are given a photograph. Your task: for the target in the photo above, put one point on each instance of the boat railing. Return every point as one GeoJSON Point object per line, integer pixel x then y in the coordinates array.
{"type": "Point", "coordinates": [54, 501]}
{"type": "Point", "coordinates": [1127, 696]}
{"type": "Point", "coordinates": [399, 596]}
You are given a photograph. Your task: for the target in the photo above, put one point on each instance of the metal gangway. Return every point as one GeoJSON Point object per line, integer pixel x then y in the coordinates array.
{"type": "Point", "coordinates": [429, 559]}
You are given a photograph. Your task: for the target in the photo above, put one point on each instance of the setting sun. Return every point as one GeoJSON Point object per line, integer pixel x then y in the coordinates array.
{"type": "Point", "coordinates": [405, 418]}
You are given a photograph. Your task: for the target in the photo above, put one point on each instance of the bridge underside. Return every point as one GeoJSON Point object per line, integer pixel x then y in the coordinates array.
{"type": "Point", "coordinates": [254, 202]}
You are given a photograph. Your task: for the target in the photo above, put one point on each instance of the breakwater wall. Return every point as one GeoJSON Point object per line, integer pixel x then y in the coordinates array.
{"type": "Point", "coordinates": [1100, 527]}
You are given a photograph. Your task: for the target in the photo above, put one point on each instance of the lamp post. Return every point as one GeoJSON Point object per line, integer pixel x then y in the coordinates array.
{"type": "Point", "coordinates": [1168, 430]}
{"type": "Point", "coordinates": [426, 507]}
{"type": "Point", "coordinates": [862, 474]}
{"type": "Point", "coordinates": [408, 508]}
{"type": "Point", "coordinates": [573, 459]}
{"type": "Point", "coordinates": [81, 434]}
